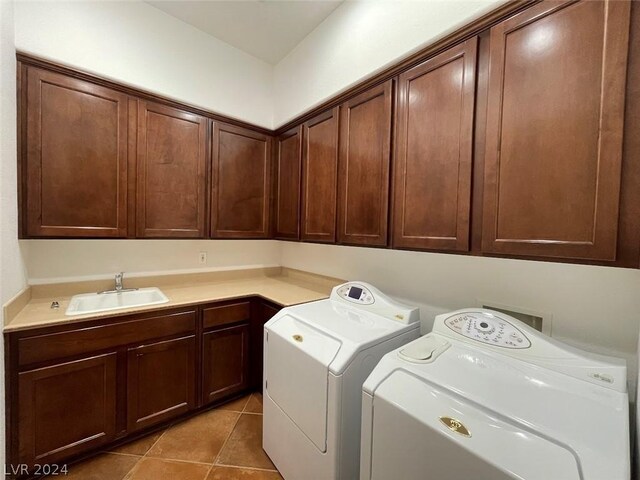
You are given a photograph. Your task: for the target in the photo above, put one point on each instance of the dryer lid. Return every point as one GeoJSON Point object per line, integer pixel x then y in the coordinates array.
{"type": "Point", "coordinates": [355, 329]}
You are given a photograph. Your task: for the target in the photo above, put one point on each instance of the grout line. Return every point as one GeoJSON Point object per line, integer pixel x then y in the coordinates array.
{"type": "Point", "coordinates": [176, 460]}
{"type": "Point", "coordinates": [247, 403]}
{"type": "Point", "coordinates": [258, 469]}
{"type": "Point", "coordinates": [208, 472]}
{"type": "Point", "coordinates": [156, 442]}
{"type": "Point", "coordinates": [124, 454]}
{"type": "Point", "coordinates": [224, 444]}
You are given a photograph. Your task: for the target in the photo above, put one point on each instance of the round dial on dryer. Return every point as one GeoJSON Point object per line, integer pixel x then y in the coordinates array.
{"type": "Point", "coordinates": [487, 328]}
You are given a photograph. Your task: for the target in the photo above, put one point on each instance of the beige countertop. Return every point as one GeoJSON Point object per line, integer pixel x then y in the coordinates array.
{"type": "Point", "coordinates": [32, 308]}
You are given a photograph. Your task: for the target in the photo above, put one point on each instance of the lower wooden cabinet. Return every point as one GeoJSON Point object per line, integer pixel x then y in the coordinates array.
{"type": "Point", "coordinates": [160, 381]}
{"type": "Point", "coordinates": [78, 388]}
{"type": "Point", "coordinates": [225, 362]}
{"type": "Point", "coordinates": [66, 408]}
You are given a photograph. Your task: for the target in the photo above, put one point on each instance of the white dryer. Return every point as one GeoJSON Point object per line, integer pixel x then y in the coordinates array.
{"type": "Point", "coordinates": [316, 357]}
{"type": "Point", "coordinates": [486, 397]}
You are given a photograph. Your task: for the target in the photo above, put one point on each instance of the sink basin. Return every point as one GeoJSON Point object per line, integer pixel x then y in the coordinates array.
{"type": "Point", "coordinates": [102, 302]}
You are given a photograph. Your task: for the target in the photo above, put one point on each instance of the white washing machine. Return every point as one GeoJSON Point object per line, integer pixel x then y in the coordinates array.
{"type": "Point", "coordinates": [486, 397]}
{"type": "Point", "coordinates": [316, 357]}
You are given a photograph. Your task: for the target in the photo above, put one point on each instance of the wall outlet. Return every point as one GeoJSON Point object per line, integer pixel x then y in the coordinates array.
{"type": "Point", "coordinates": [202, 258]}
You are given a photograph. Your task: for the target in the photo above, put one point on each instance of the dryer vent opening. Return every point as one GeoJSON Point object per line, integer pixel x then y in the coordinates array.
{"type": "Point", "coordinates": [539, 321]}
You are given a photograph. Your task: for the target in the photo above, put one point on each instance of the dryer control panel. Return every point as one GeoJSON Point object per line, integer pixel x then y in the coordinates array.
{"type": "Point", "coordinates": [356, 293]}
{"type": "Point", "coordinates": [487, 328]}
{"type": "Point", "coordinates": [481, 328]}
{"type": "Point", "coordinates": [366, 297]}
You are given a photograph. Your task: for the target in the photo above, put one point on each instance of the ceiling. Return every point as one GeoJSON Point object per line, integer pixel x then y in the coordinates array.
{"type": "Point", "coordinates": [267, 29]}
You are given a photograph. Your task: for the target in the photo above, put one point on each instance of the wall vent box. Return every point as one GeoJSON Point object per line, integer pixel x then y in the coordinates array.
{"type": "Point", "coordinates": [538, 320]}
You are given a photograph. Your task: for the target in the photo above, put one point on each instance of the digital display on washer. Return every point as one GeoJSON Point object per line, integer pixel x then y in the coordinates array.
{"type": "Point", "coordinates": [355, 292]}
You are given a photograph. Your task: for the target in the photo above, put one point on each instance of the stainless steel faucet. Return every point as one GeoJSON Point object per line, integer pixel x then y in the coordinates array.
{"type": "Point", "coordinates": [119, 286]}
{"type": "Point", "coordinates": [119, 281]}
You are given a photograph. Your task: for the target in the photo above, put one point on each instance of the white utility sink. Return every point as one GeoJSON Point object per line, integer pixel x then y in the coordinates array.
{"type": "Point", "coordinates": [102, 302]}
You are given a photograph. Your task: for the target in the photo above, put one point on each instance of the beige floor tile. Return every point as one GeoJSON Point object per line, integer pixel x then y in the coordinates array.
{"type": "Point", "coordinates": [105, 466]}
{"type": "Point", "coordinates": [235, 405]}
{"type": "Point", "coordinates": [160, 469]}
{"type": "Point", "coordinates": [254, 405]}
{"type": "Point", "coordinates": [244, 447]}
{"type": "Point", "coordinates": [198, 439]}
{"type": "Point", "coordinates": [140, 446]}
{"type": "Point", "coordinates": [233, 473]}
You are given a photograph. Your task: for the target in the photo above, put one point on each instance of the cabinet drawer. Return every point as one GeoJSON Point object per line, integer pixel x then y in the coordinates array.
{"type": "Point", "coordinates": [42, 348]}
{"type": "Point", "coordinates": [226, 314]}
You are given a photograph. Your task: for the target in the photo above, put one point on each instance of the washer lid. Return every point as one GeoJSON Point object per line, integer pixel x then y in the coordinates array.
{"type": "Point", "coordinates": [448, 437]}
{"type": "Point", "coordinates": [588, 419]}
{"type": "Point", "coordinates": [355, 329]}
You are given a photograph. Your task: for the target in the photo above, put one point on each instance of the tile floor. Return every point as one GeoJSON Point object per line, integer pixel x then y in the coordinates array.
{"type": "Point", "coordinates": [221, 444]}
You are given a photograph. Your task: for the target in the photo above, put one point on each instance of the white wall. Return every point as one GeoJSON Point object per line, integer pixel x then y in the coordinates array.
{"type": "Point", "coordinates": [51, 261]}
{"type": "Point", "coordinates": [137, 44]}
{"type": "Point", "coordinates": [12, 275]}
{"type": "Point", "coordinates": [593, 307]}
{"type": "Point", "coordinates": [359, 39]}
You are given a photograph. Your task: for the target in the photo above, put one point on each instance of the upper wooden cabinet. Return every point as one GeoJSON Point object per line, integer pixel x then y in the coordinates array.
{"type": "Point", "coordinates": [364, 157]}
{"type": "Point", "coordinates": [75, 145]}
{"type": "Point", "coordinates": [287, 179]}
{"type": "Point", "coordinates": [320, 178]}
{"type": "Point", "coordinates": [241, 164]}
{"type": "Point", "coordinates": [554, 130]}
{"type": "Point", "coordinates": [171, 172]}
{"type": "Point", "coordinates": [434, 147]}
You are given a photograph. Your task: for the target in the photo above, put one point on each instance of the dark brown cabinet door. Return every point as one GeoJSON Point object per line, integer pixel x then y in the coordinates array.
{"type": "Point", "coordinates": [365, 138]}
{"type": "Point", "coordinates": [76, 157]}
{"type": "Point", "coordinates": [160, 381]}
{"type": "Point", "coordinates": [432, 170]}
{"type": "Point", "coordinates": [241, 183]}
{"type": "Point", "coordinates": [66, 408]}
{"type": "Point", "coordinates": [287, 194]}
{"type": "Point", "coordinates": [225, 362]}
{"type": "Point", "coordinates": [554, 130]}
{"type": "Point", "coordinates": [171, 180]}
{"type": "Point", "coordinates": [320, 178]}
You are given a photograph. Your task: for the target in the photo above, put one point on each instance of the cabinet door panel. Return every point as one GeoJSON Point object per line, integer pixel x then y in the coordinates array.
{"type": "Point", "coordinates": [365, 137]}
{"type": "Point", "coordinates": [287, 202]}
{"type": "Point", "coordinates": [225, 362]}
{"type": "Point", "coordinates": [554, 130]}
{"type": "Point", "coordinates": [171, 183]}
{"type": "Point", "coordinates": [161, 381]}
{"type": "Point", "coordinates": [76, 156]}
{"type": "Point", "coordinates": [432, 172]}
{"type": "Point", "coordinates": [66, 408]}
{"type": "Point", "coordinates": [320, 177]}
{"type": "Point", "coordinates": [241, 183]}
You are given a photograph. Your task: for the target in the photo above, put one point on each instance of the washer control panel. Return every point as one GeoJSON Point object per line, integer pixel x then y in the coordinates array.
{"type": "Point", "coordinates": [487, 328]}
{"type": "Point", "coordinates": [356, 293]}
